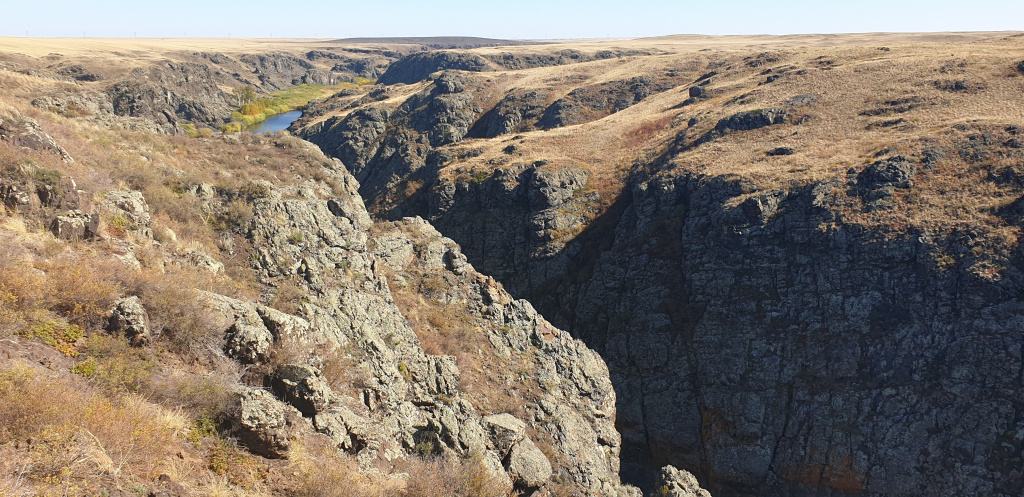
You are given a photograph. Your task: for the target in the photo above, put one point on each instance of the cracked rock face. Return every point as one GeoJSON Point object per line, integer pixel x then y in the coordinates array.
{"type": "Point", "coordinates": [406, 399]}
{"type": "Point", "coordinates": [267, 426]}
{"type": "Point", "coordinates": [129, 318]}
{"type": "Point", "coordinates": [674, 482]}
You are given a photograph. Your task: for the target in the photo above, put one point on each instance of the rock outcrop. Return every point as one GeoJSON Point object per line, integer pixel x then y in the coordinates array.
{"type": "Point", "coordinates": [732, 360]}
{"type": "Point", "coordinates": [674, 482]}
{"type": "Point", "coordinates": [419, 66]}
{"type": "Point", "coordinates": [130, 319]}
{"type": "Point", "coordinates": [171, 91]}
{"type": "Point", "coordinates": [406, 400]}
{"type": "Point", "coordinates": [25, 132]}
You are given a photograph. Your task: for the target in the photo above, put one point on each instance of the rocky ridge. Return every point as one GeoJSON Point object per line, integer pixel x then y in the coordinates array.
{"type": "Point", "coordinates": [760, 334]}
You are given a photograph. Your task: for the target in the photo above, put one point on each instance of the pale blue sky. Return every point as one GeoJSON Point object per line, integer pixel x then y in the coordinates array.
{"type": "Point", "coordinates": [523, 19]}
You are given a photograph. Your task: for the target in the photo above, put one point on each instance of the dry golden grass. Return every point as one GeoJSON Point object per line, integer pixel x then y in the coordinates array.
{"type": "Point", "coordinates": [72, 436]}
{"type": "Point", "coordinates": [849, 74]}
{"type": "Point", "coordinates": [453, 477]}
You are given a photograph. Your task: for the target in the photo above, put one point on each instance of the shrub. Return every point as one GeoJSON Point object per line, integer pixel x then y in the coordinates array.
{"type": "Point", "coordinates": [240, 467]}
{"type": "Point", "coordinates": [322, 471]}
{"type": "Point", "coordinates": [454, 477]}
{"type": "Point", "coordinates": [288, 297]}
{"type": "Point", "coordinates": [175, 311]}
{"type": "Point", "coordinates": [76, 432]}
{"type": "Point", "coordinates": [114, 364]}
{"type": "Point", "coordinates": [56, 334]}
{"type": "Point", "coordinates": [206, 394]}
{"type": "Point", "coordinates": [82, 289]}
{"type": "Point", "coordinates": [231, 127]}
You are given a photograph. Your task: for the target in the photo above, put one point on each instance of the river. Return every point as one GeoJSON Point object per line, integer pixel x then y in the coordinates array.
{"type": "Point", "coordinates": [276, 122]}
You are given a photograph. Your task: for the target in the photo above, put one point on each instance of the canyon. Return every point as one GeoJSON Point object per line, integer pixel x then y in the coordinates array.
{"type": "Point", "coordinates": [786, 265]}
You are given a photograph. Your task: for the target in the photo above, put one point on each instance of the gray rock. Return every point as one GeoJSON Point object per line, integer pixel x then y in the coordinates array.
{"type": "Point", "coordinates": [249, 340]}
{"type": "Point", "coordinates": [417, 67]}
{"type": "Point", "coordinates": [674, 482]}
{"type": "Point", "coordinates": [394, 250]}
{"type": "Point", "coordinates": [129, 318]}
{"type": "Point", "coordinates": [894, 172]}
{"type": "Point", "coordinates": [303, 387]}
{"type": "Point", "coordinates": [25, 132]}
{"type": "Point", "coordinates": [130, 206]}
{"type": "Point", "coordinates": [744, 121]}
{"type": "Point", "coordinates": [168, 91]}
{"type": "Point", "coordinates": [528, 466]}
{"type": "Point", "coordinates": [202, 260]}
{"type": "Point", "coordinates": [505, 431]}
{"type": "Point", "coordinates": [266, 425]}
{"type": "Point", "coordinates": [349, 431]}
{"type": "Point", "coordinates": [76, 225]}
{"type": "Point", "coordinates": [282, 325]}
{"type": "Point", "coordinates": [780, 151]}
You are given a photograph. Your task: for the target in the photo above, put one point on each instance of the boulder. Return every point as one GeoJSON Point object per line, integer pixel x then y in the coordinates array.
{"type": "Point", "coordinates": [744, 121]}
{"type": "Point", "coordinates": [282, 325]}
{"type": "Point", "coordinates": [528, 466]}
{"type": "Point", "coordinates": [674, 482]}
{"type": "Point", "coordinates": [266, 425]}
{"type": "Point", "coordinates": [17, 198]}
{"type": "Point", "coordinates": [132, 207]}
{"type": "Point", "coordinates": [349, 431]}
{"type": "Point", "coordinates": [894, 172]}
{"type": "Point", "coordinates": [249, 340]}
{"type": "Point", "coordinates": [780, 151]}
{"type": "Point", "coordinates": [76, 225]}
{"type": "Point", "coordinates": [202, 260]}
{"type": "Point", "coordinates": [504, 431]}
{"type": "Point", "coordinates": [303, 387]}
{"type": "Point", "coordinates": [129, 318]}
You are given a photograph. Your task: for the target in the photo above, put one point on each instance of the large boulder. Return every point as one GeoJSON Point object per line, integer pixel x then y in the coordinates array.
{"type": "Point", "coordinates": [303, 387]}
{"type": "Point", "coordinates": [744, 121]}
{"type": "Point", "coordinates": [129, 318]}
{"type": "Point", "coordinates": [528, 465]}
{"type": "Point", "coordinates": [505, 431]}
{"type": "Point", "coordinates": [249, 340]}
{"type": "Point", "coordinates": [894, 172]}
{"type": "Point", "coordinates": [75, 225]}
{"type": "Point", "coordinates": [674, 482]}
{"type": "Point", "coordinates": [266, 425]}
{"type": "Point", "coordinates": [128, 209]}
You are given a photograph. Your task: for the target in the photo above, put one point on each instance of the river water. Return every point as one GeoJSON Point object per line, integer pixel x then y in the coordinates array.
{"type": "Point", "coordinates": [276, 123]}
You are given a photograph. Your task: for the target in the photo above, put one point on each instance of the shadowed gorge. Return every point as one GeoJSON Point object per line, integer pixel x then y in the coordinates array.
{"type": "Point", "coordinates": [776, 266]}
{"type": "Point", "coordinates": [765, 250]}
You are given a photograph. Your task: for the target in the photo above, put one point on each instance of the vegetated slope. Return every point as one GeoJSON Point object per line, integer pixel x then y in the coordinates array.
{"type": "Point", "coordinates": [173, 86]}
{"type": "Point", "coordinates": [220, 315]}
{"type": "Point", "coordinates": [800, 257]}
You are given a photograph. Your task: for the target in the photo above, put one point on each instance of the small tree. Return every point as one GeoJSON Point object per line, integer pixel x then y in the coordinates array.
{"type": "Point", "coordinates": [244, 95]}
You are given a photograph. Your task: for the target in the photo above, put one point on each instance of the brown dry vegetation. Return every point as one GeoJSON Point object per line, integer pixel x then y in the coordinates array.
{"type": "Point", "coordinates": [117, 417]}
{"type": "Point", "coordinates": [848, 126]}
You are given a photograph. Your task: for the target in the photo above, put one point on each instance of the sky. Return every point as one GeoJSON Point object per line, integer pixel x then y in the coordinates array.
{"type": "Point", "coordinates": [516, 19]}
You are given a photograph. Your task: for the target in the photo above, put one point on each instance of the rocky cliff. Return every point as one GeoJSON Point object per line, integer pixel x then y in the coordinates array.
{"type": "Point", "coordinates": [774, 330]}
{"type": "Point", "coordinates": [412, 401]}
